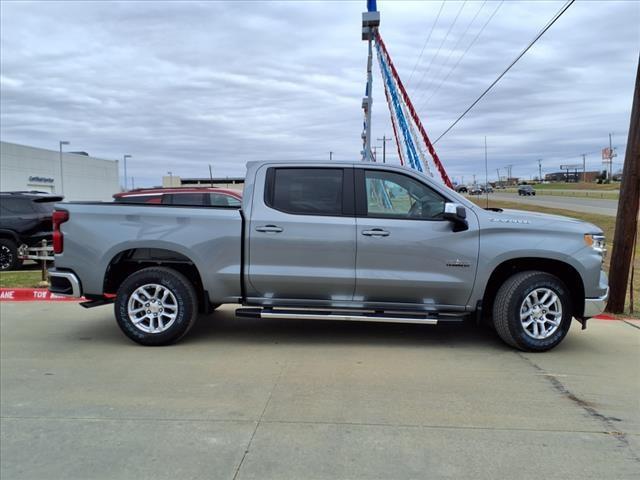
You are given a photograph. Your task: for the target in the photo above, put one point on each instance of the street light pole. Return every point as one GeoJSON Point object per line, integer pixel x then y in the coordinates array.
{"type": "Point", "coordinates": [384, 141]}
{"type": "Point", "coordinates": [62, 142]}
{"type": "Point", "coordinates": [125, 171]}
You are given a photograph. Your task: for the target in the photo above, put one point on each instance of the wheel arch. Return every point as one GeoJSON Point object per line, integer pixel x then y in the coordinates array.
{"type": "Point", "coordinates": [9, 234]}
{"type": "Point", "coordinates": [564, 271]}
{"type": "Point", "coordinates": [131, 260]}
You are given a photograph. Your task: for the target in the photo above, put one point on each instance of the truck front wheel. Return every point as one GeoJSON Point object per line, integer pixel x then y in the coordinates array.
{"type": "Point", "coordinates": [532, 311]}
{"type": "Point", "coordinates": [156, 306]}
{"type": "Point", "coordinates": [8, 255]}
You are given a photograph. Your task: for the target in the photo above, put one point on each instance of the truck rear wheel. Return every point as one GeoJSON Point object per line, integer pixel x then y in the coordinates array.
{"type": "Point", "coordinates": [156, 306]}
{"type": "Point", "coordinates": [532, 311]}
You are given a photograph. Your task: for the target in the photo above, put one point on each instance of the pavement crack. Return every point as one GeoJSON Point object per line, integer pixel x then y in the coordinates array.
{"type": "Point", "coordinates": [590, 410]}
{"type": "Point", "coordinates": [632, 324]}
{"type": "Point", "coordinates": [253, 434]}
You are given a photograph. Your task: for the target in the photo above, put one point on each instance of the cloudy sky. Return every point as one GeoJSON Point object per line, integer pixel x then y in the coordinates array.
{"type": "Point", "coordinates": [187, 84]}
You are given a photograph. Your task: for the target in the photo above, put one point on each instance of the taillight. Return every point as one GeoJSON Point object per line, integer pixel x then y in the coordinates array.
{"type": "Point", "coordinates": [59, 217]}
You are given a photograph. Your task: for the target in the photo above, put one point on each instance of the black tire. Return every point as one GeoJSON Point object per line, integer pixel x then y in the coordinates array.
{"type": "Point", "coordinates": [506, 310]}
{"type": "Point", "coordinates": [9, 255]}
{"type": "Point", "coordinates": [186, 302]}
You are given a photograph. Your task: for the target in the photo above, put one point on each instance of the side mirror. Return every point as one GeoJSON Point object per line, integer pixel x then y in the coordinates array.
{"type": "Point", "coordinates": [456, 213]}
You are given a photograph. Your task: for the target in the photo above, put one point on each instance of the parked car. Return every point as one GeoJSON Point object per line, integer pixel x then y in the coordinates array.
{"type": "Point", "coordinates": [25, 220]}
{"type": "Point", "coordinates": [462, 189]}
{"type": "Point", "coordinates": [476, 190]}
{"type": "Point", "coordinates": [188, 196]}
{"type": "Point", "coordinates": [526, 190]}
{"type": "Point", "coordinates": [339, 241]}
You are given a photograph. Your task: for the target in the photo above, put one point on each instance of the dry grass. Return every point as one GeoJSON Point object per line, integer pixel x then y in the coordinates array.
{"type": "Point", "coordinates": [606, 223]}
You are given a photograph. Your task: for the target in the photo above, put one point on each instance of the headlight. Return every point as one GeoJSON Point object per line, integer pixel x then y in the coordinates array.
{"type": "Point", "coordinates": [597, 242]}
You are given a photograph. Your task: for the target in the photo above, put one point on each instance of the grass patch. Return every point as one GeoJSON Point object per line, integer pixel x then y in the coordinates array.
{"type": "Point", "coordinates": [606, 223]}
{"type": "Point", "coordinates": [578, 186]}
{"type": "Point", "coordinates": [20, 279]}
{"type": "Point", "coordinates": [601, 194]}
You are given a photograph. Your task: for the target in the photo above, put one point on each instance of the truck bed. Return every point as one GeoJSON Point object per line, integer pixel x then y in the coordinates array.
{"type": "Point", "coordinates": [98, 232]}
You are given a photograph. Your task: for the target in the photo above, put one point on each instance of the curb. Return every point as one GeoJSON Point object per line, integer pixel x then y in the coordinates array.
{"type": "Point", "coordinates": [33, 295]}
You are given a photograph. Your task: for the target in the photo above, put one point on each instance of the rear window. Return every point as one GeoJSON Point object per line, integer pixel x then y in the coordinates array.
{"type": "Point", "coordinates": [185, 199]}
{"type": "Point", "coordinates": [23, 206]}
{"type": "Point", "coordinates": [306, 191]}
{"type": "Point", "coordinates": [222, 200]}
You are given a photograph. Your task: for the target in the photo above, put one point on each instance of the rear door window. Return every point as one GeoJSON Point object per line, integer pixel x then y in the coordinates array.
{"type": "Point", "coordinates": [306, 191]}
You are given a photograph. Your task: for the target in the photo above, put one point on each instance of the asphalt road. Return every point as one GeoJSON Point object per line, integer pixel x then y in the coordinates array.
{"type": "Point", "coordinates": [578, 204]}
{"type": "Point", "coordinates": [257, 399]}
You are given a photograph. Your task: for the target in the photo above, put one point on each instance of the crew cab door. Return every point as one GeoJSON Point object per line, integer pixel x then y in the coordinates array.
{"type": "Point", "coordinates": [302, 235]}
{"type": "Point", "coordinates": [406, 252]}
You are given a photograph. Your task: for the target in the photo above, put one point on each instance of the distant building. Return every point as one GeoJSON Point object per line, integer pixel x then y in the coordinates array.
{"type": "Point", "coordinates": [174, 181]}
{"type": "Point", "coordinates": [83, 177]}
{"type": "Point", "coordinates": [572, 176]}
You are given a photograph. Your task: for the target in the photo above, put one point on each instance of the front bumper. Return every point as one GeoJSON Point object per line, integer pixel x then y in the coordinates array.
{"type": "Point", "coordinates": [64, 283]}
{"type": "Point", "coordinates": [595, 306]}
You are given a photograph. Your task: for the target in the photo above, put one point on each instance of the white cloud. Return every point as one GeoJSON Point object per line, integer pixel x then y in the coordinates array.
{"type": "Point", "coordinates": [183, 84]}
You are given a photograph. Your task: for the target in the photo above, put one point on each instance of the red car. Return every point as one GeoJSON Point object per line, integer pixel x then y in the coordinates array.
{"type": "Point", "coordinates": [196, 196]}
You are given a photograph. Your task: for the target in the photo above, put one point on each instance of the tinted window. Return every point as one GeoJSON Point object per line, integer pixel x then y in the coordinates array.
{"type": "Point", "coordinates": [393, 195]}
{"type": "Point", "coordinates": [186, 199]}
{"type": "Point", "coordinates": [222, 200]}
{"type": "Point", "coordinates": [307, 191]}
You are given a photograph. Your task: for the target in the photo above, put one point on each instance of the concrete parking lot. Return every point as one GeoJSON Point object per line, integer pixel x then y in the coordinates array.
{"type": "Point", "coordinates": [243, 398]}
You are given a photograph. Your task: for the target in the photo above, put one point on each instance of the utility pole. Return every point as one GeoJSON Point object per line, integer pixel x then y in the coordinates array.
{"type": "Point", "coordinates": [540, 170]}
{"type": "Point", "coordinates": [210, 175]}
{"type": "Point", "coordinates": [474, 178]}
{"type": "Point", "coordinates": [384, 141]}
{"type": "Point", "coordinates": [584, 168]}
{"type": "Point", "coordinates": [486, 172]}
{"type": "Point", "coordinates": [330, 156]}
{"type": "Point", "coordinates": [125, 171]}
{"type": "Point", "coordinates": [628, 206]}
{"type": "Point", "coordinates": [62, 142]}
{"type": "Point", "coordinates": [498, 172]}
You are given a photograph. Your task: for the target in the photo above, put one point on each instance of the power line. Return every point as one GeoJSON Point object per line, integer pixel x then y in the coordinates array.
{"type": "Point", "coordinates": [542, 32]}
{"type": "Point", "coordinates": [441, 44]}
{"type": "Point", "coordinates": [453, 50]}
{"type": "Point", "coordinates": [475, 39]}
{"type": "Point", "coordinates": [433, 27]}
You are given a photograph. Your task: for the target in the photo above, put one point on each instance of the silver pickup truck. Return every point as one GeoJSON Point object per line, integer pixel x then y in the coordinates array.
{"type": "Point", "coordinates": [338, 241]}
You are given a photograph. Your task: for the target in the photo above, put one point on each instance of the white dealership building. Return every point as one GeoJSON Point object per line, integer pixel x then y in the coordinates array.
{"type": "Point", "coordinates": [78, 177]}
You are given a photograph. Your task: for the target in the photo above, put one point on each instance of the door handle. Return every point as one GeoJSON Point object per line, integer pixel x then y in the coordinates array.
{"type": "Point", "coordinates": [269, 229]}
{"type": "Point", "coordinates": [376, 232]}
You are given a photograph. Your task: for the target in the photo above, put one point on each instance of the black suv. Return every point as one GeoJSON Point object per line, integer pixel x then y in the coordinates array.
{"type": "Point", "coordinates": [25, 219]}
{"type": "Point", "coordinates": [526, 190]}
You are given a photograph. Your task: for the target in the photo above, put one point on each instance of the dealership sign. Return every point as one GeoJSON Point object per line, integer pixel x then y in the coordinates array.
{"type": "Point", "coordinates": [37, 179]}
